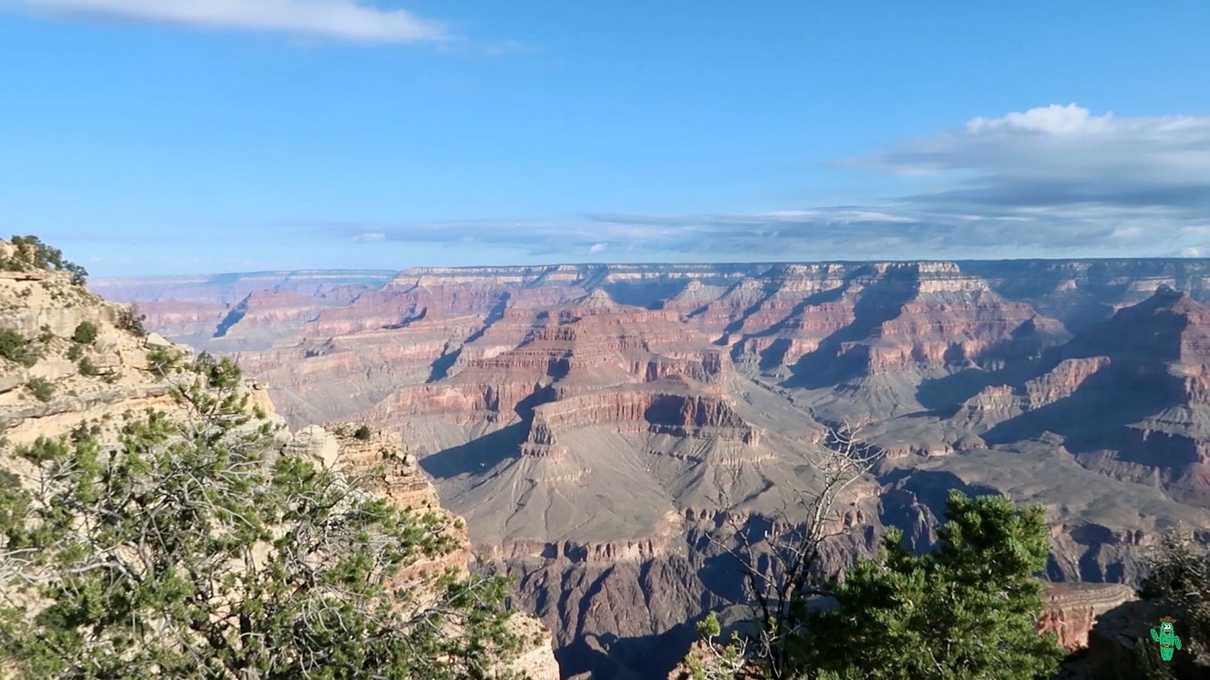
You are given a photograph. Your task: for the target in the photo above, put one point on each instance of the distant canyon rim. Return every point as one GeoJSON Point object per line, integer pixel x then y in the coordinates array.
{"type": "Point", "coordinates": [601, 426]}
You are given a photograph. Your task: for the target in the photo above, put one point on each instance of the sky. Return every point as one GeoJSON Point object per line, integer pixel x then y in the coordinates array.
{"type": "Point", "coordinates": [190, 136]}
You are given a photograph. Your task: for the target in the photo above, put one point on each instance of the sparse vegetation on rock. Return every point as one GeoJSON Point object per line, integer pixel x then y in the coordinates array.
{"type": "Point", "coordinates": [14, 347]}
{"type": "Point", "coordinates": [1180, 577]}
{"type": "Point", "coordinates": [1179, 584]}
{"type": "Point", "coordinates": [166, 526]}
{"type": "Point", "coordinates": [42, 389]}
{"type": "Point", "coordinates": [130, 320]}
{"type": "Point", "coordinates": [85, 333]}
{"type": "Point", "coordinates": [87, 368]}
{"type": "Point", "coordinates": [163, 360]}
{"type": "Point", "coordinates": [29, 253]}
{"type": "Point", "coordinates": [782, 563]}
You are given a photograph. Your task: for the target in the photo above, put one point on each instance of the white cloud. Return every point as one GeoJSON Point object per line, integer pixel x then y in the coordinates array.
{"type": "Point", "coordinates": [370, 236]}
{"type": "Point", "coordinates": [843, 214]}
{"type": "Point", "coordinates": [336, 19]}
{"type": "Point", "coordinates": [1053, 119]}
{"type": "Point", "coordinates": [1068, 149]}
{"type": "Point", "coordinates": [1191, 251]}
{"type": "Point", "coordinates": [893, 230]}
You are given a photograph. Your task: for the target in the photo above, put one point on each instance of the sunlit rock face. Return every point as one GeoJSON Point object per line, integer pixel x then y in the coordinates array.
{"type": "Point", "coordinates": [1072, 609]}
{"type": "Point", "coordinates": [603, 427]}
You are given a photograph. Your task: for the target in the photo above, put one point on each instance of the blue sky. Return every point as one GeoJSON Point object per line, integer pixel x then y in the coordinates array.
{"type": "Point", "coordinates": [185, 136]}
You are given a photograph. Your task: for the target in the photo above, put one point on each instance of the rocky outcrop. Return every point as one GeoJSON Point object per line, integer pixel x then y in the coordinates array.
{"type": "Point", "coordinates": [381, 464]}
{"type": "Point", "coordinates": [650, 409]}
{"type": "Point", "coordinates": [997, 403]}
{"type": "Point", "coordinates": [958, 320]}
{"type": "Point", "coordinates": [71, 376]}
{"type": "Point", "coordinates": [1072, 609]}
{"type": "Point", "coordinates": [68, 359]}
{"type": "Point", "coordinates": [888, 317]}
{"type": "Point", "coordinates": [267, 317]}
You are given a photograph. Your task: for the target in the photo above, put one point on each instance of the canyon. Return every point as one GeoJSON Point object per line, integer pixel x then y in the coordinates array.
{"type": "Point", "coordinates": [75, 363]}
{"type": "Point", "coordinates": [605, 428]}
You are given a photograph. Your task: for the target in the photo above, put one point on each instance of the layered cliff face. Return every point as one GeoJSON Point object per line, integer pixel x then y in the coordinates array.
{"type": "Point", "coordinates": [883, 318]}
{"type": "Point", "coordinates": [268, 306]}
{"type": "Point", "coordinates": [1072, 609]}
{"type": "Point", "coordinates": [1127, 397]}
{"type": "Point", "coordinates": [69, 359]}
{"type": "Point", "coordinates": [604, 427]}
{"type": "Point", "coordinates": [229, 289]}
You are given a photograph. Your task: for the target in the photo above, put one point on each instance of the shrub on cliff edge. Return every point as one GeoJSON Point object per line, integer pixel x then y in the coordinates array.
{"type": "Point", "coordinates": [130, 320]}
{"type": "Point", "coordinates": [30, 253]}
{"type": "Point", "coordinates": [85, 333]}
{"type": "Point", "coordinates": [967, 610]}
{"type": "Point", "coordinates": [190, 549]}
{"type": "Point", "coordinates": [42, 389]}
{"type": "Point", "coordinates": [87, 368]}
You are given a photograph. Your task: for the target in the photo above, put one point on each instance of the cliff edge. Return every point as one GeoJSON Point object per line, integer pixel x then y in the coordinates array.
{"type": "Point", "coordinates": [69, 361]}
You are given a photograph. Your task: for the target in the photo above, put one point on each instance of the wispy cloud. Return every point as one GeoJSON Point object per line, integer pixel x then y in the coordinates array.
{"type": "Point", "coordinates": [353, 20]}
{"type": "Point", "coordinates": [888, 231]}
{"type": "Point", "coordinates": [1054, 181]}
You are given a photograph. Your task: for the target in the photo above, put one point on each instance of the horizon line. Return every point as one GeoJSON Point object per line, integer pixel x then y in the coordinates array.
{"type": "Point", "coordinates": [732, 263]}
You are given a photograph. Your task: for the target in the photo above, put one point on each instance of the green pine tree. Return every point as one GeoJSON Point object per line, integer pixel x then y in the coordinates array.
{"type": "Point", "coordinates": [190, 549]}
{"type": "Point", "coordinates": [967, 611]}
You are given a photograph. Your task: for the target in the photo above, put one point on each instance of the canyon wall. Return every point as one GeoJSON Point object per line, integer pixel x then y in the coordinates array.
{"type": "Point", "coordinates": [605, 428]}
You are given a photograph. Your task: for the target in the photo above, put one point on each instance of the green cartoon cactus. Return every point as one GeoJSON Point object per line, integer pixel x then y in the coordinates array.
{"type": "Point", "coordinates": [1167, 638]}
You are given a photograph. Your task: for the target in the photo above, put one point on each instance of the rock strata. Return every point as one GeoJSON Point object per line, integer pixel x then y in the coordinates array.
{"type": "Point", "coordinates": [599, 426]}
{"type": "Point", "coordinates": [1072, 609]}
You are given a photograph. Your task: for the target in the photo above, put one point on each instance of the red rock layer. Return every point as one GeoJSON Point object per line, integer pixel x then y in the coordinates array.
{"type": "Point", "coordinates": [1072, 609]}
{"type": "Point", "coordinates": [638, 409]}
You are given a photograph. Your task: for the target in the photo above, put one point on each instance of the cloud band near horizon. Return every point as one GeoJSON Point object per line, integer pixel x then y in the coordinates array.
{"type": "Point", "coordinates": [1049, 181]}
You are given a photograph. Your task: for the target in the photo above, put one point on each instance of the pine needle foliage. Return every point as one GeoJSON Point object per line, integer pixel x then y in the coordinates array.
{"type": "Point", "coordinates": [966, 611]}
{"type": "Point", "coordinates": [190, 548]}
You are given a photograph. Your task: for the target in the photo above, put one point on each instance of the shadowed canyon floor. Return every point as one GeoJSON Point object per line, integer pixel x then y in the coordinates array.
{"type": "Point", "coordinates": [602, 427]}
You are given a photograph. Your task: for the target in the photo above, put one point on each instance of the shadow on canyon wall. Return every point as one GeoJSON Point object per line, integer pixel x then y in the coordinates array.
{"type": "Point", "coordinates": [477, 455]}
{"type": "Point", "coordinates": [1120, 648]}
{"type": "Point", "coordinates": [834, 360]}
